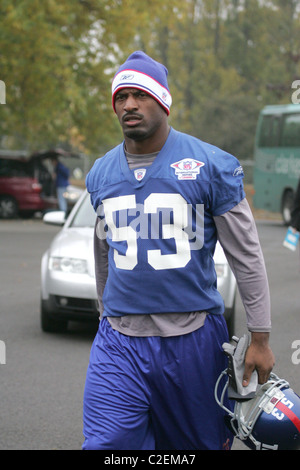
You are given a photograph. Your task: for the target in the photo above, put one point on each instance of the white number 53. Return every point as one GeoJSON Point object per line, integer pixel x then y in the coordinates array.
{"type": "Point", "coordinates": [152, 203]}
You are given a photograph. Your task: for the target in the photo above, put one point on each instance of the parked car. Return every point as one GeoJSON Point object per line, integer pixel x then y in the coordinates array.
{"type": "Point", "coordinates": [26, 184]}
{"type": "Point", "coordinates": [68, 287]}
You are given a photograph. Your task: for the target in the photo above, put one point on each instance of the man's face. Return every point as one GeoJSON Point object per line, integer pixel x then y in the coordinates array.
{"type": "Point", "coordinates": [139, 114]}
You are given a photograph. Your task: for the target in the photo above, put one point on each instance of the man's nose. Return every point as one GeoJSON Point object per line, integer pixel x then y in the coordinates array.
{"type": "Point", "coordinates": [130, 103]}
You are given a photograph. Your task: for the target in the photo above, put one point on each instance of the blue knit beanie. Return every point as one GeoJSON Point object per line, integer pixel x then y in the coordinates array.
{"type": "Point", "coordinates": [142, 72]}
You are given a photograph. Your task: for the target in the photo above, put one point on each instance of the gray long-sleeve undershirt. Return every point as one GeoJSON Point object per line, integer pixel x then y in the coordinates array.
{"type": "Point", "coordinates": [238, 236]}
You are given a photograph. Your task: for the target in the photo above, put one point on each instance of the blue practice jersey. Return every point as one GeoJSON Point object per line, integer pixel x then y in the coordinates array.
{"type": "Point", "coordinates": [158, 222]}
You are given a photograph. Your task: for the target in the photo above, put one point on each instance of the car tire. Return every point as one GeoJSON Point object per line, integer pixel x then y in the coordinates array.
{"type": "Point", "coordinates": [50, 324]}
{"type": "Point", "coordinates": [8, 207]}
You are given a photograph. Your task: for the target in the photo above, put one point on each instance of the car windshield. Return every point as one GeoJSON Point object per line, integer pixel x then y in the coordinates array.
{"type": "Point", "coordinates": [85, 215]}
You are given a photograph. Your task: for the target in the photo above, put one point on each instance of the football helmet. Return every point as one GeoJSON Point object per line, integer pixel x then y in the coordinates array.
{"type": "Point", "coordinates": [269, 421]}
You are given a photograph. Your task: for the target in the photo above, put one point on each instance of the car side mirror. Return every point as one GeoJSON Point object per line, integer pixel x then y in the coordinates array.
{"type": "Point", "coordinates": [55, 218]}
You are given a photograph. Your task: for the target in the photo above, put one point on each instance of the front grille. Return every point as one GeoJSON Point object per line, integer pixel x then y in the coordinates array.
{"type": "Point", "coordinates": [75, 304]}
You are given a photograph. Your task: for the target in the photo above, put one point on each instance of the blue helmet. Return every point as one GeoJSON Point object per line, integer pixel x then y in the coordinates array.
{"type": "Point", "coordinates": [270, 420]}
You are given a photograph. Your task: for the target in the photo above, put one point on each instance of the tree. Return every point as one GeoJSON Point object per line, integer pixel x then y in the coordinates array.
{"type": "Point", "coordinates": [226, 60]}
{"type": "Point", "coordinates": [57, 59]}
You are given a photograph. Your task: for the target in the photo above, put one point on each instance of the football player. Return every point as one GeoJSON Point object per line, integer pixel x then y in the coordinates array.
{"type": "Point", "coordinates": [163, 199]}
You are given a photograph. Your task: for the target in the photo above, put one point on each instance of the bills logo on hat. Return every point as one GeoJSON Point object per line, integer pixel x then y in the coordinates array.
{"type": "Point", "coordinates": [187, 168]}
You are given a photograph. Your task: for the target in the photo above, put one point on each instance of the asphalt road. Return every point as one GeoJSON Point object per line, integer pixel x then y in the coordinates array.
{"type": "Point", "coordinates": [42, 381]}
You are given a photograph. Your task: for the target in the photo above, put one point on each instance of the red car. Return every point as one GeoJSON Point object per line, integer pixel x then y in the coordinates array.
{"type": "Point", "coordinates": [26, 185]}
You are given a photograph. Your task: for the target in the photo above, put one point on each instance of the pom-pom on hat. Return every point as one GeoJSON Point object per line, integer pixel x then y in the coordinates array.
{"type": "Point", "coordinates": [142, 72]}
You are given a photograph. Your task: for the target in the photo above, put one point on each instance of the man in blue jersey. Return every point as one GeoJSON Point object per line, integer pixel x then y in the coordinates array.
{"type": "Point", "coordinates": [163, 198]}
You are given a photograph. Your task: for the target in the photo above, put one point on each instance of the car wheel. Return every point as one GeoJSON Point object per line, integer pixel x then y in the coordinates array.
{"type": "Point", "coordinates": [50, 324]}
{"type": "Point", "coordinates": [8, 207]}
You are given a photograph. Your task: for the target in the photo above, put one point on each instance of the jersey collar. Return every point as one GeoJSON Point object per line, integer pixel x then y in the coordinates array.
{"type": "Point", "coordinates": [152, 169]}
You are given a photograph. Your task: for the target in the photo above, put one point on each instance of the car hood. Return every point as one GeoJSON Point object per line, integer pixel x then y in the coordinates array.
{"type": "Point", "coordinates": [75, 243]}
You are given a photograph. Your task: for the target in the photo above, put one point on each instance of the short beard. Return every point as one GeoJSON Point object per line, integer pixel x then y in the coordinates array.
{"type": "Point", "coordinates": [135, 134]}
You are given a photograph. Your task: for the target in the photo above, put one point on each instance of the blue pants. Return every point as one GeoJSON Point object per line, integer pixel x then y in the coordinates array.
{"type": "Point", "coordinates": [155, 393]}
{"type": "Point", "coordinates": [62, 202]}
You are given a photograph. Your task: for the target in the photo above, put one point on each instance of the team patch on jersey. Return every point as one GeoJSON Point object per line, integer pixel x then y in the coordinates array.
{"type": "Point", "coordinates": [140, 173]}
{"type": "Point", "coordinates": [187, 169]}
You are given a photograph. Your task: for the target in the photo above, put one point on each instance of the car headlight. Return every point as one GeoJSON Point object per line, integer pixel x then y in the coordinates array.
{"type": "Point", "coordinates": [68, 265]}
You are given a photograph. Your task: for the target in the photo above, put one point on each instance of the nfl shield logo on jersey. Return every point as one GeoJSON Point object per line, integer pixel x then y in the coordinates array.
{"type": "Point", "coordinates": [187, 169]}
{"type": "Point", "coordinates": [140, 173]}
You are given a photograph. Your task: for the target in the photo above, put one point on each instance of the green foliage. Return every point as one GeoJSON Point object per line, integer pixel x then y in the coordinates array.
{"type": "Point", "coordinates": [226, 60]}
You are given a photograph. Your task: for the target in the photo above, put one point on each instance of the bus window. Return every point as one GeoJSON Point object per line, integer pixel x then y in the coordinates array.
{"type": "Point", "coordinates": [269, 131]}
{"type": "Point", "coordinates": [291, 131]}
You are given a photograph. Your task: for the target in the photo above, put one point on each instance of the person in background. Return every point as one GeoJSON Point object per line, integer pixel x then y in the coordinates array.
{"type": "Point", "coordinates": [61, 182]}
